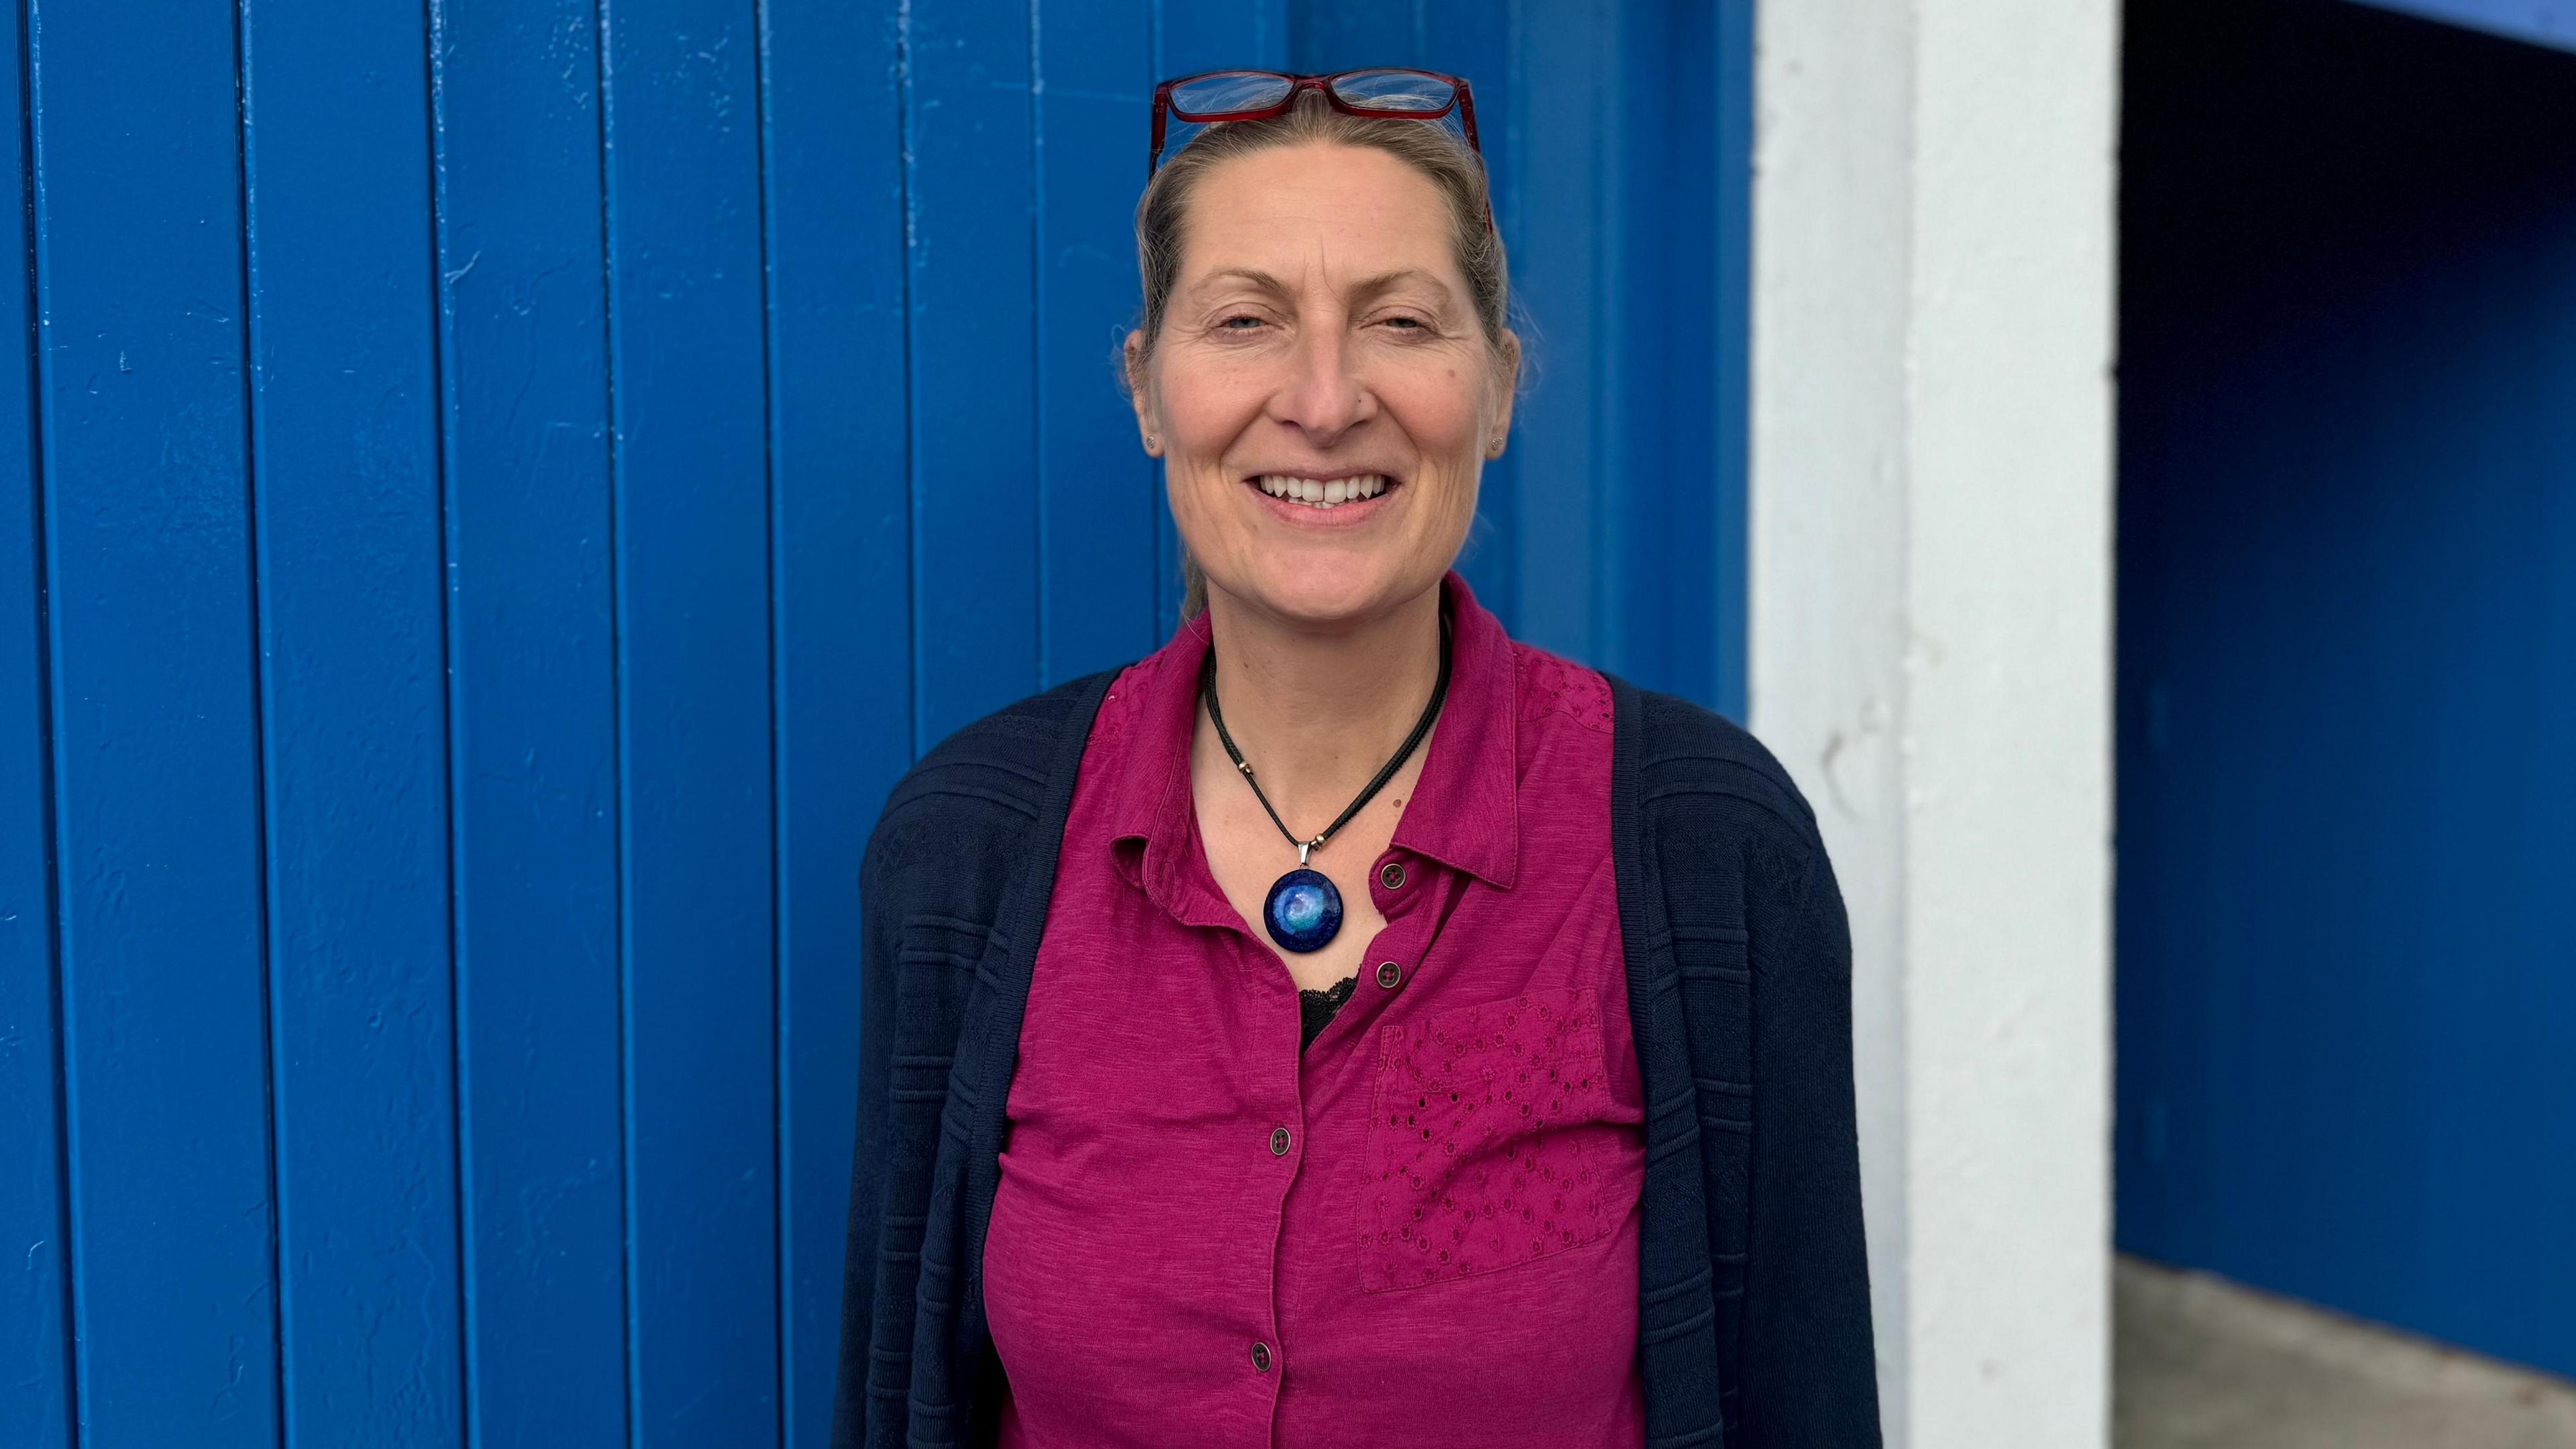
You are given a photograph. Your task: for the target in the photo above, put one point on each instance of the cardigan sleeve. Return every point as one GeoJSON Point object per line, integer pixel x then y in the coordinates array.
{"type": "Point", "coordinates": [1810, 1376]}
{"type": "Point", "coordinates": [855, 1422]}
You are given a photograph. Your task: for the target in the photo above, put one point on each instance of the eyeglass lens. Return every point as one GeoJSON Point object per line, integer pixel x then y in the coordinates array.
{"type": "Point", "coordinates": [1233, 92]}
{"type": "Point", "coordinates": [1228, 93]}
{"type": "Point", "coordinates": [1397, 92]}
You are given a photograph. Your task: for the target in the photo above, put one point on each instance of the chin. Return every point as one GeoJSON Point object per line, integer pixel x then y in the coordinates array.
{"type": "Point", "coordinates": [1333, 591]}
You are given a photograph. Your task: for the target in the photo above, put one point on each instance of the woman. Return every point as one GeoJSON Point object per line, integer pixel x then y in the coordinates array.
{"type": "Point", "coordinates": [1347, 1025]}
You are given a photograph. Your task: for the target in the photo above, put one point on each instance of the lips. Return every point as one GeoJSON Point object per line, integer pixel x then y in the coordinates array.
{"type": "Point", "coordinates": [1322, 493]}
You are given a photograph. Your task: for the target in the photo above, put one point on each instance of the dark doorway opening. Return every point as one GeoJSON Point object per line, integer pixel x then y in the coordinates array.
{"type": "Point", "coordinates": [2347, 665]}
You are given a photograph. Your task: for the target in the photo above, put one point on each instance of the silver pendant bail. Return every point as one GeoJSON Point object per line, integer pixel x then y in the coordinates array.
{"type": "Point", "coordinates": [1305, 846]}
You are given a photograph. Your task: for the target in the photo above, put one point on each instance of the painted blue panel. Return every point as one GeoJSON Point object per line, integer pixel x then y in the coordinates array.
{"type": "Point", "coordinates": [35, 1313]}
{"type": "Point", "coordinates": [643, 462]}
{"type": "Point", "coordinates": [1725, 87]}
{"type": "Point", "coordinates": [2541, 22]}
{"type": "Point", "coordinates": [139, 288]}
{"type": "Point", "coordinates": [1098, 496]}
{"type": "Point", "coordinates": [1195, 35]}
{"type": "Point", "coordinates": [1330, 35]}
{"type": "Point", "coordinates": [842, 541]}
{"type": "Point", "coordinates": [974, 405]}
{"type": "Point", "coordinates": [1560, 242]}
{"type": "Point", "coordinates": [689, 420]}
{"type": "Point", "coordinates": [2347, 1027]}
{"type": "Point", "coordinates": [1655, 362]}
{"type": "Point", "coordinates": [532, 708]}
{"type": "Point", "coordinates": [344, 432]}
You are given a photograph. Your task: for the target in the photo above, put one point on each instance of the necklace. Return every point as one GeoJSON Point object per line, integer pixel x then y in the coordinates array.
{"type": "Point", "coordinates": [1304, 909]}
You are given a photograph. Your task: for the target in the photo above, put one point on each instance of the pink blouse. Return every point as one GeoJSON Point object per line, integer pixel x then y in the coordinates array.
{"type": "Point", "coordinates": [1420, 1231]}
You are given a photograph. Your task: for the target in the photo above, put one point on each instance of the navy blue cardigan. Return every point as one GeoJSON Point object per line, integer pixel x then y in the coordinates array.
{"type": "Point", "coordinates": [1753, 1311]}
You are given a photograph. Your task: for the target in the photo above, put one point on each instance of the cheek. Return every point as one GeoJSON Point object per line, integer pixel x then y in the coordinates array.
{"type": "Point", "coordinates": [1207, 405]}
{"type": "Point", "coordinates": [1203, 410]}
{"type": "Point", "coordinates": [1443, 413]}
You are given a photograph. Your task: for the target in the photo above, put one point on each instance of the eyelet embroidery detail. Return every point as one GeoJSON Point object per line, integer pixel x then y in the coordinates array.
{"type": "Point", "coordinates": [1550, 685]}
{"type": "Point", "coordinates": [1488, 1148]}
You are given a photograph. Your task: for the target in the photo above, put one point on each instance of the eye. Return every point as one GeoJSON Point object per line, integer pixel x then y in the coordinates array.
{"type": "Point", "coordinates": [1403, 323]}
{"type": "Point", "coordinates": [1240, 322]}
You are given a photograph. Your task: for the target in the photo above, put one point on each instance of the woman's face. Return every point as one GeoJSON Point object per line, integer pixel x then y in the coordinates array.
{"type": "Point", "coordinates": [1320, 344]}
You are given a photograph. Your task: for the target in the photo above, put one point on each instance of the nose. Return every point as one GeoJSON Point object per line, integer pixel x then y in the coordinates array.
{"type": "Point", "coordinates": [1323, 395]}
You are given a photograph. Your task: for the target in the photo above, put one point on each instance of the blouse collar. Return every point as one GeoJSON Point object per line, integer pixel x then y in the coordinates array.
{"type": "Point", "coordinates": [1464, 812]}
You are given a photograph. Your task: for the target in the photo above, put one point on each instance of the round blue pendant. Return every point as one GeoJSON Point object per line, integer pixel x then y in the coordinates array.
{"type": "Point", "coordinates": [1304, 912]}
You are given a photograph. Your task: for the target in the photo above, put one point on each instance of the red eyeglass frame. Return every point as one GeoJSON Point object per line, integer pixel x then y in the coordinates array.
{"type": "Point", "coordinates": [1462, 100]}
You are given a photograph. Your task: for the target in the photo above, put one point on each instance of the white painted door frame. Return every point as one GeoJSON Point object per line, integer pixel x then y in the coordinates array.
{"type": "Point", "coordinates": [1930, 654]}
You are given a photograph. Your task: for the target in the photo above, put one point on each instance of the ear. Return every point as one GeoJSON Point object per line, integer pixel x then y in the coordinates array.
{"type": "Point", "coordinates": [1507, 384]}
{"type": "Point", "coordinates": [1140, 395]}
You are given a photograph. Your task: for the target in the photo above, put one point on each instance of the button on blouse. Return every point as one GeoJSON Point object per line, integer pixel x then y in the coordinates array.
{"type": "Point", "coordinates": [1440, 1245]}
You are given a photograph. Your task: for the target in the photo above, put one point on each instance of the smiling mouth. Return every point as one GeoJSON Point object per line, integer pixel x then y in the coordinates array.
{"type": "Point", "coordinates": [1323, 492]}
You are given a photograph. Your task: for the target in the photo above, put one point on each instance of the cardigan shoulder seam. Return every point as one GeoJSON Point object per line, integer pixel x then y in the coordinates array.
{"type": "Point", "coordinates": [1688, 749]}
{"type": "Point", "coordinates": [991, 775]}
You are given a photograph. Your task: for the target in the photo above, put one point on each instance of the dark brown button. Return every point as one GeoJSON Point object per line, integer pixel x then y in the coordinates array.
{"type": "Point", "coordinates": [1388, 973]}
{"type": "Point", "coordinates": [1278, 1141]}
{"type": "Point", "coordinates": [1261, 1357]}
{"type": "Point", "coordinates": [1391, 875]}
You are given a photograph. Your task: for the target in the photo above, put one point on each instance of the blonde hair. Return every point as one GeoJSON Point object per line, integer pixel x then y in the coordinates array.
{"type": "Point", "coordinates": [1440, 155]}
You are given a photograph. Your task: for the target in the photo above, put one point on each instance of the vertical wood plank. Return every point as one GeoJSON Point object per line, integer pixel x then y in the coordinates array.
{"type": "Point", "coordinates": [1560, 70]}
{"type": "Point", "coordinates": [1331, 35]}
{"type": "Point", "coordinates": [157, 740]}
{"type": "Point", "coordinates": [1676, 218]}
{"type": "Point", "coordinates": [1099, 498]}
{"type": "Point", "coordinates": [532, 711]}
{"type": "Point", "coordinates": [1729, 395]}
{"type": "Point", "coordinates": [973, 382]}
{"type": "Point", "coordinates": [1197, 35]}
{"type": "Point", "coordinates": [344, 428]}
{"type": "Point", "coordinates": [843, 585]}
{"type": "Point", "coordinates": [35, 1314]}
{"type": "Point", "coordinates": [1657, 484]}
{"type": "Point", "coordinates": [692, 518]}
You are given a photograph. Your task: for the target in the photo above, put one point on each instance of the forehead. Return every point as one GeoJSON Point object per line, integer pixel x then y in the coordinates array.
{"type": "Point", "coordinates": [1350, 211]}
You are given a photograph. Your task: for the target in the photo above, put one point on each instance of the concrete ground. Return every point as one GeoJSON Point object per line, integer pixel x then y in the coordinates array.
{"type": "Point", "coordinates": [2201, 1363]}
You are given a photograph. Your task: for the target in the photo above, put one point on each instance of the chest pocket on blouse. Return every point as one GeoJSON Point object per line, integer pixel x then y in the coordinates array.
{"type": "Point", "coordinates": [1490, 1145]}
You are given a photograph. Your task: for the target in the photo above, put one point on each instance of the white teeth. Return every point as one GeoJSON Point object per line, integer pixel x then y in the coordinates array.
{"type": "Point", "coordinates": [1321, 493]}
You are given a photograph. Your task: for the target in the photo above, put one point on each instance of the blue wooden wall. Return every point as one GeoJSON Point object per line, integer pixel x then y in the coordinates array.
{"type": "Point", "coordinates": [495, 491]}
{"type": "Point", "coordinates": [2347, 760]}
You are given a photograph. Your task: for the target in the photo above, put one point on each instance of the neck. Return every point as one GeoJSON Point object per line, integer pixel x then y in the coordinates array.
{"type": "Point", "coordinates": [1317, 713]}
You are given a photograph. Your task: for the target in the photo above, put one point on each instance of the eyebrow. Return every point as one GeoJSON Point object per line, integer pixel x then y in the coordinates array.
{"type": "Point", "coordinates": [1366, 286]}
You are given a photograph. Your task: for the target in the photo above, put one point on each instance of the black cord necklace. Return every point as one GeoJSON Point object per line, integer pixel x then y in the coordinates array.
{"type": "Point", "coordinates": [1304, 910]}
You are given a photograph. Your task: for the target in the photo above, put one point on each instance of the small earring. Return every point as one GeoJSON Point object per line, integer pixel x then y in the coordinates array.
{"type": "Point", "coordinates": [1152, 442]}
